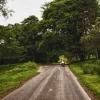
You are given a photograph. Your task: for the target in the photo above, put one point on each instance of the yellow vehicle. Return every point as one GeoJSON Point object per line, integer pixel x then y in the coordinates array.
{"type": "Point", "coordinates": [62, 63]}
{"type": "Point", "coordinates": [63, 60]}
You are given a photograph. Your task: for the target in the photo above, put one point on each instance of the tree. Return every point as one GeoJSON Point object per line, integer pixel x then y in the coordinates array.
{"type": "Point", "coordinates": [3, 9]}
{"type": "Point", "coordinates": [10, 49]}
{"type": "Point", "coordinates": [29, 35]}
{"type": "Point", "coordinates": [91, 41]}
{"type": "Point", "coordinates": [68, 20]}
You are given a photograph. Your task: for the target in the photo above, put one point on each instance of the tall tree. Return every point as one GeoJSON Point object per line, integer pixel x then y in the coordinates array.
{"type": "Point", "coordinates": [69, 20]}
{"type": "Point", "coordinates": [91, 41]}
{"type": "Point", "coordinates": [10, 49]}
{"type": "Point", "coordinates": [28, 36]}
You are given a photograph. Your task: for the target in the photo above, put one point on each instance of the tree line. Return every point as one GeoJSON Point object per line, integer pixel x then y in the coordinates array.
{"type": "Point", "coordinates": [68, 27]}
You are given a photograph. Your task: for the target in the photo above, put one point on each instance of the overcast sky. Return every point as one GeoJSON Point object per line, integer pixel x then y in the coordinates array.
{"type": "Point", "coordinates": [22, 9]}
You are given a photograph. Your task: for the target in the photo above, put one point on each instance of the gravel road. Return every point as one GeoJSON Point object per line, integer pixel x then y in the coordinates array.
{"type": "Point", "coordinates": [54, 83]}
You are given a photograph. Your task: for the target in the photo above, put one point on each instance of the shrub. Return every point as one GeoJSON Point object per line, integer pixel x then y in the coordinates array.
{"type": "Point", "coordinates": [97, 69]}
{"type": "Point", "coordinates": [88, 69]}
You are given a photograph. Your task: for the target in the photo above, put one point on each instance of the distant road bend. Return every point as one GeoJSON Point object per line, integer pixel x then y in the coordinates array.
{"type": "Point", "coordinates": [54, 83]}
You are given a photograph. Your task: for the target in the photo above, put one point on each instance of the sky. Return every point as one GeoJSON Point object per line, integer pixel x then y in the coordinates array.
{"type": "Point", "coordinates": [23, 9]}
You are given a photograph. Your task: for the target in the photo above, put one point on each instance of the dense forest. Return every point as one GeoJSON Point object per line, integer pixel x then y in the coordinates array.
{"type": "Point", "coordinates": [68, 27]}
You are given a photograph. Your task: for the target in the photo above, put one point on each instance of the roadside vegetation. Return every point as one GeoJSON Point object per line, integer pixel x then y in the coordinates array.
{"type": "Point", "coordinates": [13, 75]}
{"type": "Point", "coordinates": [88, 73]}
{"type": "Point", "coordinates": [68, 27]}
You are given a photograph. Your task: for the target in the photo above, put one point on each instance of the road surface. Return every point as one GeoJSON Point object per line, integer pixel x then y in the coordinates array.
{"type": "Point", "coordinates": [54, 83]}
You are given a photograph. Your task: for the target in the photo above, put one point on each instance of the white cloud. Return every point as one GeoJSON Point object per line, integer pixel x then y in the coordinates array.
{"type": "Point", "coordinates": [23, 9]}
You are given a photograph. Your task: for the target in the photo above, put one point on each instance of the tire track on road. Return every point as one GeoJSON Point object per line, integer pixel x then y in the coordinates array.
{"type": "Point", "coordinates": [56, 83]}
{"type": "Point", "coordinates": [25, 92]}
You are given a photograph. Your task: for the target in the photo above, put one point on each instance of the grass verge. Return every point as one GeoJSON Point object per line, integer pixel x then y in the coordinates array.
{"type": "Point", "coordinates": [91, 82]}
{"type": "Point", "coordinates": [13, 76]}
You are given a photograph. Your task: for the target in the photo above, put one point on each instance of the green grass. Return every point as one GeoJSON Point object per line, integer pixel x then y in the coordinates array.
{"type": "Point", "coordinates": [11, 76]}
{"type": "Point", "coordinates": [91, 81]}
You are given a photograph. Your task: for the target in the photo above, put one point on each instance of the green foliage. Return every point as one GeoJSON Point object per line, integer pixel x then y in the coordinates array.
{"type": "Point", "coordinates": [10, 49]}
{"type": "Point", "coordinates": [69, 20]}
{"type": "Point", "coordinates": [29, 36]}
{"type": "Point", "coordinates": [91, 81]}
{"type": "Point", "coordinates": [91, 41]}
{"type": "Point", "coordinates": [30, 20]}
{"type": "Point", "coordinates": [89, 69]}
{"type": "Point", "coordinates": [59, 32]}
{"type": "Point", "coordinates": [19, 41]}
{"type": "Point", "coordinates": [11, 76]}
{"type": "Point", "coordinates": [97, 69]}
{"type": "Point", "coordinates": [4, 11]}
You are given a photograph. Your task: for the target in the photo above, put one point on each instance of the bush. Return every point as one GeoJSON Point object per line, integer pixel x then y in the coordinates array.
{"type": "Point", "coordinates": [97, 69]}
{"type": "Point", "coordinates": [89, 69]}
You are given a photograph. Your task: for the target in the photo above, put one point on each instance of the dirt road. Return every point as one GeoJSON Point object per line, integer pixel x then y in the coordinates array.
{"type": "Point", "coordinates": [54, 83]}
